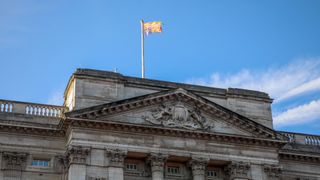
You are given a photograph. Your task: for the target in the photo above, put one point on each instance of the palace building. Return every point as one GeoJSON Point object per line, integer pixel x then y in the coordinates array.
{"type": "Point", "coordinates": [115, 127]}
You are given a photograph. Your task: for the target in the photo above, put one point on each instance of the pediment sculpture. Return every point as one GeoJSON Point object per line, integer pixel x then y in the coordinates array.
{"type": "Point", "coordinates": [179, 116]}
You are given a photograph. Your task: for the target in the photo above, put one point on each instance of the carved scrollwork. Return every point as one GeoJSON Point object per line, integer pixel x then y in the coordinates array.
{"type": "Point", "coordinates": [77, 155]}
{"type": "Point", "coordinates": [178, 115]}
{"type": "Point", "coordinates": [273, 171]}
{"type": "Point", "coordinates": [238, 170]}
{"type": "Point", "coordinates": [116, 157]}
{"type": "Point", "coordinates": [157, 161]}
{"type": "Point", "coordinates": [198, 166]}
{"type": "Point", "coordinates": [95, 178]}
{"type": "Point", "coordinates": [14, 160]}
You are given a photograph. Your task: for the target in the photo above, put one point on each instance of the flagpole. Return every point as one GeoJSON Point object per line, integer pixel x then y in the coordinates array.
{"type": "Point", "coordinates": [142, 48]}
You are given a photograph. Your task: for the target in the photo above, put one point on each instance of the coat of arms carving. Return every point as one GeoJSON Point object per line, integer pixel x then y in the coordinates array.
{"type": "Point", "coordinates": [178, 115]}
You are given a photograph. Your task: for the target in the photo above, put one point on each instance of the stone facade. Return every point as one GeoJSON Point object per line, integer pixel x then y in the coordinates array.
{"type": "Point", "coordinates": [115, 127]}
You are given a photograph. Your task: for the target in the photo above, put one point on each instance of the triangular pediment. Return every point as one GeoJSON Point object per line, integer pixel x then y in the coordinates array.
{"type": "Point", "coordinates": [176, 109]}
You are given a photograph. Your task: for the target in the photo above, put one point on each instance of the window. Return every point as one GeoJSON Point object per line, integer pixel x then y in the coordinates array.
{"type": "Point", "coordinates": [40, 162]}
{"type": "Point", "coordinates": [214, 173]}
{"type": "Point", "coordinates": [173, 170]}
{"type": "Point", "coordinates": [131, 167]}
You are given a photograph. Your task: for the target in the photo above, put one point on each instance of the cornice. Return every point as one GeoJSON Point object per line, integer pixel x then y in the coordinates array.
{"type": "Point", "coordinates": [299, 156]}
{"type": "Point", "coordinates": [178, 95]}
{"type": "Point", "coordinates": [152, 130]}
{"type": "Point", "coordinates": [41, 131]}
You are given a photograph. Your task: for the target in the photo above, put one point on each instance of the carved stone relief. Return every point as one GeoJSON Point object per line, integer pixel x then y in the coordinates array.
{"type": "Point", "coordinates": [95, 178]}
{"type": "Point", "coordinates": [77, 155]}
{"type": "Point", "coordinates": [178, 115]}
{"type": "Point", "coordinates": [273, 171]}
{"type": "Point", "coordinates": [238, 170]}
{"type": "Point", "coordinates": [157, 162]}
{"type": "Point", "coordinates": [116, 157]}
{"type": "Point", "coordinates": [14, 160]}
{"type": "Point", "coordinates": [198, 166]}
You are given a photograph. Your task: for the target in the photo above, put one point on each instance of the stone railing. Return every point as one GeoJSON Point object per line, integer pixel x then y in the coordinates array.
{"type": "Point", "coordinates": [33, 109]}
{"type": "Point", "coordinates": [305, 139]}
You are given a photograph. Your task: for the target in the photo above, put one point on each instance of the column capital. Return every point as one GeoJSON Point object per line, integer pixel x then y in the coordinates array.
{"type": "Point", "coordinates": [77, 155]}
{"type": "Point", "coordinates": [198, 166]}
{"type": "Point", "coordinates": [273, 171]}
{"type": "Point", "coordinates": [116, 157]}
{"type": "Point", "coordinates": [238, 170]}
{"type": "Point", "coordinates": [157, 161]}
{"type": "Point", "coordinates": [14, 160]}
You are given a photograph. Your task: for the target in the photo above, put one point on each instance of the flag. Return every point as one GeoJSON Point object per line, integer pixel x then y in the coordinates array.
{"type": "Point", "coordinates": [152, 27]}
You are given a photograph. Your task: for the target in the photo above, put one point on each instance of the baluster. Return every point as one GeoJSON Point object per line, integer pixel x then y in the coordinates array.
{"type": "Point", "coordinates": [35, 111]}
{"type": "Point", "coordinates": [5, 107]}
{"type": "Point", "coordinates": [10, 107]}
{"type": "Point", "coordinates": [59, 113]}
{"type": "Point", "coordinates": [307, 140]}
{"type": "Point", "coordinates": [55, 112]}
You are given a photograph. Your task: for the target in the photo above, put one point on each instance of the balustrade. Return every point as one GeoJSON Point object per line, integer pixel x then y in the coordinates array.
{"type": "Point", "coordinates": [305, 139]}
{"type": "Point", "coordinates": [31, 108]}
{"type": "Point", "coordinates": [6, 106]}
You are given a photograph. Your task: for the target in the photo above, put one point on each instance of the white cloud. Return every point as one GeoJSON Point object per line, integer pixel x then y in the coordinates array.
{"type": "Point", "coordinates": [56, 98]}
{"type": "Point", "coordinates": [281, 83]}
{"type": "Point", "coordinates": [309, 86]}
{"type": "Point", "coordinates": [299, 115]}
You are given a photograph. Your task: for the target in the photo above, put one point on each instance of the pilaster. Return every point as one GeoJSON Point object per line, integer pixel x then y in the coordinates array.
{"type": "Point", "coordinates": [77, 157]}
{"type": "Point", "coordinates": [157, 163]}
{"type": "Point", "coordinates": [198, 167]}
{"type": "Point", "coordinates": [115, 158]}
{"type": "Point", "coordinates": [13, 164]}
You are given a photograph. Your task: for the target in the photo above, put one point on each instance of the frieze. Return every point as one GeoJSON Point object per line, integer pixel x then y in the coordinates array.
{"type": "Point", "coordinates": [179, 116]}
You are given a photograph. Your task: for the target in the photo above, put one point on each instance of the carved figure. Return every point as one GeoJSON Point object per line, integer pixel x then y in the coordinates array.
{"type": "Point", "coordinates": [177, 115]}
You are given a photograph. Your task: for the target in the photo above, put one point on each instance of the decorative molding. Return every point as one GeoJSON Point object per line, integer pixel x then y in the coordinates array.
{"type": "Point", "coordinates": [198, 166]}
{"type": "Point", "coordinates": [96, 178]}
{"type": "Point", "coordinates": [157, 161]}
{"type": "Point", "coordinates": [116, 157]}
{"type": "Point", "coordinates": [178, 115]}
{"type": "Point", "coordinates": [63, 161]}
{"type": "Point", "coordinates": [295, 156]}
{"type": "Point", "coordinates": [272, 171]}
{"type": "Point", "coordinates": [177, 95]}
{"type": "Point", "coordinates": [114, 126]}
{"type": "Point", "coordinates": [77, 155]}
{"type": "Point", "coordinates": [238, 170]}
{"type": "Point", "coordinates": [14, 161]}
{"type": "Point", "coordinates": [40, 131]}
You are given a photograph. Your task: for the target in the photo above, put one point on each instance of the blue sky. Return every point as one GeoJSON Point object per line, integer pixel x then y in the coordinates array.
{"type": "Point", "coordinates": [268, 45]}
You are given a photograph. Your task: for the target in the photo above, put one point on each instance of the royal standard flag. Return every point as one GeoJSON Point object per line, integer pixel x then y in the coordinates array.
{"type": "Point", "coordinates": [152, 27]}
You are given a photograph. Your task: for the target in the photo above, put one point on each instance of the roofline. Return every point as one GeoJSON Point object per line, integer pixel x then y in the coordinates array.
{"type": "Point", "coordinates": [165, 85]}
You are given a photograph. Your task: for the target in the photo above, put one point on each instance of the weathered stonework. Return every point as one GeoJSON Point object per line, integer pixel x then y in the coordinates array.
{"type": "Point", "coordinates": [114, 127]}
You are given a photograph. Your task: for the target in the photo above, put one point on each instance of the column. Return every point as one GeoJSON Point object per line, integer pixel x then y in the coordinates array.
{"type": "Point", "coordinates": [198, 167]}
{"type": "Point", "coordinates": [77, 157]}
{"type": "Point", "coordinates": [238, 171]}
{"type": "Point", "coordinates": [13, 165]}
{"type": "Point", "coordinates": [157, 162]}
{"type": "Point", "coordinates": [115, 158]}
